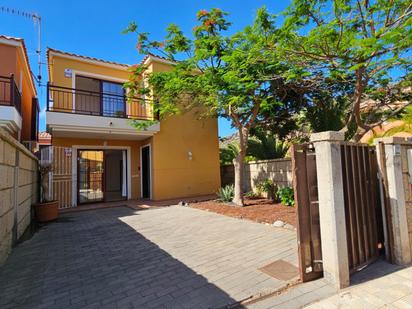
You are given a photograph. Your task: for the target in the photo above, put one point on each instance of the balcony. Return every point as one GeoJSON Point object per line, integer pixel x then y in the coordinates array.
{"type": "Point", "coordinates": [9, 93]}
{"type": "Point", "coordinates": [73, 112]}
{"type": "Point", "coordinates": [85, 102]}
{"type": "Point", "coordinates": [10, 105]}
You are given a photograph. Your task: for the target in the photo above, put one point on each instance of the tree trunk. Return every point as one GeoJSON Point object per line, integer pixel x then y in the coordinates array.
{"type": "Point", "coordinates": [239, 166]}
{"type": "Point", "coordinates": [360, 86]}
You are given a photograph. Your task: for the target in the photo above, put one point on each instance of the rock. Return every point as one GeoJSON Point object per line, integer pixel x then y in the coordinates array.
{"type": "Point", "coordinates": [278, 223]}
{"type": "Point", "coordinates": [289, 226]}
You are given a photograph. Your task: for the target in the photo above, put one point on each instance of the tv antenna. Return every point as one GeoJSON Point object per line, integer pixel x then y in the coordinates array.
{"type": "Point", "coordinates": [37, 22]}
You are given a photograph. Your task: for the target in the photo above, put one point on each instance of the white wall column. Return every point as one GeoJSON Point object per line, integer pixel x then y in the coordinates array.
{"type": "Point", "coordinates": [396, 192]}
{"type": "Point", "coordinates": [331, 207]}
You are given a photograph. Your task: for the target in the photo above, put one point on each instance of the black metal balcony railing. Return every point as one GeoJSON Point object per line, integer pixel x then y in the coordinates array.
{"type": "Point", "coordinates": [9, 93]}
{"type": "Point", "coordinates": [85, 102]}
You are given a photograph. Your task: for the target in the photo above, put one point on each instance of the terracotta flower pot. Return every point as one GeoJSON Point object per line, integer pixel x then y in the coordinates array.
{"type": "Point", "coordinates": [46, 211]}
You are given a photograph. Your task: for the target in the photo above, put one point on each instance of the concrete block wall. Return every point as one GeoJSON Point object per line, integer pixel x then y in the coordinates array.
{"type": "Point", "coordinates": [393, 152]}
{"type": "Point", "coordinates": [18, 191]}
{"type": "Point", "coordinates": [407, 187]}
{"type": "Point", "coordinates": [279, 170]}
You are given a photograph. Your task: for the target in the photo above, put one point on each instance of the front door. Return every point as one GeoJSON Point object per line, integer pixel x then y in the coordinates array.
{"type": "Point", "coordinates": [145, 156]}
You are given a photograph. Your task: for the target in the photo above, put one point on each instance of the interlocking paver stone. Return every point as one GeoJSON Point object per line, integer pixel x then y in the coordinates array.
{"type": "Point", "coordinates": [173, 257]}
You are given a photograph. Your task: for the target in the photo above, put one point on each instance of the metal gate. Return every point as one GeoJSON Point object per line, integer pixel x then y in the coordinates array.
{"type": "Point", "coordinates": [306, 201]}
{"type": "Point", "coordinates": [363, 215]}
{"type": "Point", "coordinates": [60, 179]}
{"type": "Point", "coordinates": [364, 226]}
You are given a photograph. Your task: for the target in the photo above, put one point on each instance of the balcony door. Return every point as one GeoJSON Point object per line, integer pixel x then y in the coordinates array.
{"type": "Point", "coordinates": [99, 97]}
{"type": "Point", "coordinates": [88, 98]}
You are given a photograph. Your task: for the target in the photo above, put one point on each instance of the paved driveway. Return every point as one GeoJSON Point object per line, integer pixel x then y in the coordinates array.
{"type": "Point", "coordinates": [174, 257]}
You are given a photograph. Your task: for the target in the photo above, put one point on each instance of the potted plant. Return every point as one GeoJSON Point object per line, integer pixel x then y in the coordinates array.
{"type": "Point", "coordinates": [47, 209]}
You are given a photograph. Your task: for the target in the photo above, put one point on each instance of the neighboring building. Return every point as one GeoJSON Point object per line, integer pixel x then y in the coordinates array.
{"type": "Point", "coordinates": [45, 140]}
{"type": "Point", "coordinates": [19, 107]}
{"type": "Point", "coordinates": [88, 115]}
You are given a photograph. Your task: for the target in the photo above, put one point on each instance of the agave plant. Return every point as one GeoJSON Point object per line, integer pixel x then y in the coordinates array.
{"type": "Point", "coordinates": [226, 193]}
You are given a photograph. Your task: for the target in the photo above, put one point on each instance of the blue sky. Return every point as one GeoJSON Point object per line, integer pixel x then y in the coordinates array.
{"type": "Point", "coordinates": [93, 28]}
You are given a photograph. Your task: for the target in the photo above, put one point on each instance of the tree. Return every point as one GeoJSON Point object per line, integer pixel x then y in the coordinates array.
{"type": "Point", "coordinates": [265, 145]}
{"type": "Point", "coordinates": [220, 75]}
{"type": "Point", "coordinates": [364, 43]}
{"type": "Point", "coordinates": [228, 153]}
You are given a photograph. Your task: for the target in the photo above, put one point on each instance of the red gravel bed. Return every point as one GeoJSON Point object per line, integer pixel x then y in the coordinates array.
{"type": "Point", "coordinates": [258, 210]}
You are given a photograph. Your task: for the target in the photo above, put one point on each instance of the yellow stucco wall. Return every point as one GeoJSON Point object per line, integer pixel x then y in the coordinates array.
{"type": "Point", "coordinates": [58, 64]}
{"type": "Point", "coordinates": [174, 175]}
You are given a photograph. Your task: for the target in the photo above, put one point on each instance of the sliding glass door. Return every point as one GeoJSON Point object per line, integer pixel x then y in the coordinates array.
{"type": "Point", "coordinates": [99, 97]}
{"type": "Point", "coordinates": [90, 176]}
{"type": "Point", "coordinates": [102, 175]}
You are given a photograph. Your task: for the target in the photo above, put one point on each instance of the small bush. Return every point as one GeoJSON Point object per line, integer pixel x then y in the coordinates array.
{"type": "Point", "coordinates": [267, 186]}
{"type": "Point", "coordinates": [226, 193]}
{"type": "Point", "coordinates": [286, 196]}
{"type": "Point", "coordinates": [251, 195]}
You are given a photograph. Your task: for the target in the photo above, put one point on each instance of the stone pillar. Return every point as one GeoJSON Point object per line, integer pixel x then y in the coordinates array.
{"type": "Point", "coordinates": [332, 207]}
{"type": "Point", "coordinates": [393, 161]}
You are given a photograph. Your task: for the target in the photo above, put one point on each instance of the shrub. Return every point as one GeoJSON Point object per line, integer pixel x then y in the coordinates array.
{"type": "Point", "coordinates": [226, 193]}
{"type": "Point", "coordinates": [267, 186]}
{"type": "Point", "coordinates": [286, 196]}
{"type": "Point", "coordinates": [251, 195]}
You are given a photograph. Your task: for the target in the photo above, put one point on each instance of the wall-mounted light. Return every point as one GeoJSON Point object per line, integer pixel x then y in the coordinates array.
{"type": "Point", "coordinates": [189, 155]}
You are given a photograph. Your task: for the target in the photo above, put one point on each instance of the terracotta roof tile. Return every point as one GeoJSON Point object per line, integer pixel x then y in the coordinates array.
{"type": "Point", "coordinates": [154, 56]}
{"type": "Point", "coordinates": [44, 135]}
{"type": "Point", "coordinates": [85, 57]}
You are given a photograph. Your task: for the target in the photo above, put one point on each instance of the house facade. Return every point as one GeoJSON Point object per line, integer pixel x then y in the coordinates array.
{"type": "Point", "coordinates": [19, 107]}
{"type": "Point", "coordinates": [89, 116]}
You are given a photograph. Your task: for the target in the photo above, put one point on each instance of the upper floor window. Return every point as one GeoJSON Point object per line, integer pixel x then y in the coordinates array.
{"type": "Point", "coordinates": [100, 97]}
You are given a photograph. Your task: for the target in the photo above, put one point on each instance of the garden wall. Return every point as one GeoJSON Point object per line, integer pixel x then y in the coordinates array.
{"type": "Point", "coordinates": [18, 191]}
{"type": "Point", "coordinates": [279, 170]}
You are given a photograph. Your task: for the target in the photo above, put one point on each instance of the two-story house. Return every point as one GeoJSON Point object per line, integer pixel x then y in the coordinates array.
{"type": "Point", "coordinates": [88, 113]}
{"type": "Point", "coordinates": [19, 108]}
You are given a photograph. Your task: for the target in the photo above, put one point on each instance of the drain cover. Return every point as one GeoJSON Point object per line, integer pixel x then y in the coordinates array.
{"type": "Point", "coordinates": [281, 270]}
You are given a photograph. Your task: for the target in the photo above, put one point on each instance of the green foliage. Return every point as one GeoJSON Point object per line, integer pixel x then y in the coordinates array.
{"type": "Point", "coordinates": [286, 196]}
{"type": "Point", "coordinates": [228, 154]}
{"type": "Point", "coordinates": [266, 146]}
{"type": "Point", "coordinates": [226, 193]}
{"type": "Point", "coordinates": [266, 186]}
{"type": "Point", "coordinates": [251, 195]}
{"type": "Point", "coordinates": [356, 43]}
